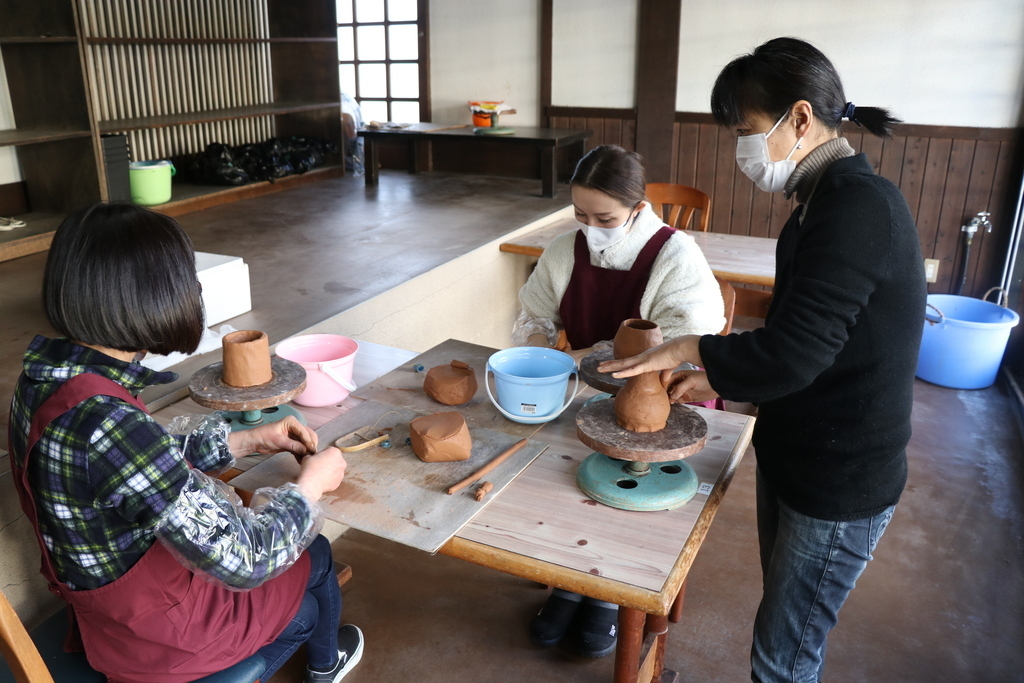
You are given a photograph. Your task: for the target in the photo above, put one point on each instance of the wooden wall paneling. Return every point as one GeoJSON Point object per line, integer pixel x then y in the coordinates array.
{"type": "Point", "coordinates": [13, 199]}
{"type": "Point", "coordinates": [596, 125]}
{"type": "Point", "coordinates": [742, 203]}
{"type": "Point", "coordinates": [891, 166]}
{"type": "Point", "coordinates": [707, 155]}
{"type": "Point", "coordinates": [947, 239]}
{"type": "Point", "coordinates": [37, 18]}
{"type": "Point", "coordinates": [915, 159]}
{"type": "Point", "coordinates": [760, 208]}
{"type": "Point", "coordinates": [979, 198]}
{"type": "Point", "coordinates": [75, 185]}
{"type": "Point", "coordinates": [629, 134]}
{"type": "Point", "coordinates": [725, 167]}
{"type": "Point", "coordinates": [989, 252]}
{"type": "Point", "coordinates": [686, 154]}
{"type": "Point", "coordinates": [929, 204]}
{"type": "Point", "coordinates": [871, 145]}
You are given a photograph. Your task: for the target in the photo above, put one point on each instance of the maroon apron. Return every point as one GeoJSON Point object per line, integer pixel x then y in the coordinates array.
{"type": "Point", "coordinates": [597, 300]}
{"type": "Point", "coordinates": [160, 622]}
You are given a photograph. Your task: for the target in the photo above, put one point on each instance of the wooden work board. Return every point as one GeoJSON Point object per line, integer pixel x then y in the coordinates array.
{"type": "Point", "coordinates": [389, 492]}
{"type": "Point", "coordinates": [403, 387]}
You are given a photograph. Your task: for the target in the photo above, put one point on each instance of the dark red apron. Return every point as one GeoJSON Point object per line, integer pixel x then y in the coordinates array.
{"type": "Point", "coordinates": [597, 300]}
{"type": "Point", "coordinates": [159, 623]}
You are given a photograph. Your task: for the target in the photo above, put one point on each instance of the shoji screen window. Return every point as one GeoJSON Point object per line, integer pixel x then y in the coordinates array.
{"type": "Point", "coordinates": [382, 60]}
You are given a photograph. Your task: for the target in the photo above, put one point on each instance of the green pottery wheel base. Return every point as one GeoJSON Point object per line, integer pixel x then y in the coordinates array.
{"type": "Point", "coordinates": [619, 484]}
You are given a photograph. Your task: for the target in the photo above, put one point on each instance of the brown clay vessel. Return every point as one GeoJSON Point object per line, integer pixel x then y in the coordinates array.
{"type": "Point", "coordinates": [441, 437]}
{"type": "Point", "coordinates": [246, 358]}
{"type": "Point", "coordinates": [452, 384]}
{"type": "Point", "coordinates": [643, 404]}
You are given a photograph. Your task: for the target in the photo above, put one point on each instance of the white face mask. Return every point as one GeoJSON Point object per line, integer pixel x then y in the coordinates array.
{"type": "Point", "coordinates": [599, 239]}
{"type": "Point", "coordinates": [755, 161]}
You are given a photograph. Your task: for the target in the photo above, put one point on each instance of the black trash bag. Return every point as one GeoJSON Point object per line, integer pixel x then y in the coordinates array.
{"type": "Point", "coordinates": [216, 166]}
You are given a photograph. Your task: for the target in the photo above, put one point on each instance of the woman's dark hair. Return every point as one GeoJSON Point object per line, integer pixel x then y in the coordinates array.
{"type": "Point", "coordinates": [614, 171]}
{"type": "Point", "coordinates": [124, 277]}
{"type": "Point", "coordinates": [782, 72]}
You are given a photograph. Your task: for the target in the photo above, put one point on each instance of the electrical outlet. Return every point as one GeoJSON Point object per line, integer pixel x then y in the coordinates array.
{"type": "Point", "coordinates": [931, 270]}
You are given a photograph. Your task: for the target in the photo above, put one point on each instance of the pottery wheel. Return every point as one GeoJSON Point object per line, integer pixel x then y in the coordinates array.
{"type": "Point", "coordinates": [602, 381]}
{"type": "Point", "coordinates": [683, 436]}
{"type": "Point", "coordinates": [207, 387]}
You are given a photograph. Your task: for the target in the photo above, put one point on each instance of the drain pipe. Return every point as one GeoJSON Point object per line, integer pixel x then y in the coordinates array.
{"type": "Point", "coordinates": [979, 221]}
{"type": "Point", "coordinates": [1014, 246]}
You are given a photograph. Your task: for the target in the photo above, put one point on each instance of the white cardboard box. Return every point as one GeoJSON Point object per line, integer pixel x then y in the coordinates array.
{"type": "Point", "coordinates": [225, 281]}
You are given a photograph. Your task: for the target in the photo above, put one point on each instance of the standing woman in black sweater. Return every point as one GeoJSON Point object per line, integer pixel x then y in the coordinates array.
{"type": "Point", "coordinates": [832, 370]}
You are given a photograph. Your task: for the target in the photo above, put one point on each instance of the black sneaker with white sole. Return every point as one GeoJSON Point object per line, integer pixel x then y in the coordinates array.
{"type": "Point", "coordinates": [594, 630]}
{"type": "Point", "coordinates": [350, 651]}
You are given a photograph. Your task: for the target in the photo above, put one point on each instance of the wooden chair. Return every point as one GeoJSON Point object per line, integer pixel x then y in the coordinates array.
{"type": "Point", "coordinates": [676, 204]}
{"type": "Point", "coordinates": [40, 657]}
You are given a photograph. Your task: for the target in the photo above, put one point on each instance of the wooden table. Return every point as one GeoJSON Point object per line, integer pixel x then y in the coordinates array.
{"type": "Point", "coordinates": [542, 527]}
{"type": "Point", "coordinates": [734, 258]}
{"type": "Point", "coordinates": [545, 140]}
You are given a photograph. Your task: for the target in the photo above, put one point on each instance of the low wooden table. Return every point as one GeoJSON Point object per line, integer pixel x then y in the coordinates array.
{"type": "Point", "coordinates": [734, 258]}
{"type": "Point", "coordinates": [542, 527]}
{"type": "Point", "coordinates": [546, 140]}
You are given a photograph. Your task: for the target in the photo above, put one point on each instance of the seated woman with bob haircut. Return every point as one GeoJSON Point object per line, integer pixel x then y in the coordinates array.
{"type": "Point", "coordinates": [170, 579]}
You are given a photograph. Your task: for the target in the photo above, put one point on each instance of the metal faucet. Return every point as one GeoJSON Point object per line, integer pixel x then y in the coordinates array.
{"type": "Point", "coordinates": [979, 221]}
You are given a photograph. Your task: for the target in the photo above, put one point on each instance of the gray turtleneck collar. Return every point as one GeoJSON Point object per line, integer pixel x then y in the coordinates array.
{"type": "Point", "coordinates": [810, 169]}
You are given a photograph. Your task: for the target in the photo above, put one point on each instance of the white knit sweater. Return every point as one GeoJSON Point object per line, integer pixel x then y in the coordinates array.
{"type": "Point", "coordinates": [682, 295]}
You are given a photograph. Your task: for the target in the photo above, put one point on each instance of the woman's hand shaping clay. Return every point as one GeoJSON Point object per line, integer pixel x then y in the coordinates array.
{"type": "Point", "coordinates": [664, 358]}
{"type": "Point", "coordinates": [321, 472]}
{"type": "Point", "coordinates": [284, 435]}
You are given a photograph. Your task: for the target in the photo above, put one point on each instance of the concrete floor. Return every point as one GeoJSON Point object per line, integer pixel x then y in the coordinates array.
{"type": "Point", "coordinates": [313, 251]}
{"type": "Point", "coordinates": [942, 601]}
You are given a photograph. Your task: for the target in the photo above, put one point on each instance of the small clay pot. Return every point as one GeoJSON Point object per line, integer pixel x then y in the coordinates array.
{"type": "Point", "coordinates": [643, 404]}
{"type": "Point", "coordinates": [635, 336]}
{"type": "Point", "coordinates": [246, 358]}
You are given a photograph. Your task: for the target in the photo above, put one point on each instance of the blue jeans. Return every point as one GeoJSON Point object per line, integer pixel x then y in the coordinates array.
{"type": "Point", "coordinates": [809, 567]}
{"type": "Point", "coordinates": [316, 621]}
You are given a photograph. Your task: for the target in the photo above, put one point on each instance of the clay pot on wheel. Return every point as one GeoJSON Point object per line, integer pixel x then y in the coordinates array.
{"type": "Point", "coordinates": [643, 404]}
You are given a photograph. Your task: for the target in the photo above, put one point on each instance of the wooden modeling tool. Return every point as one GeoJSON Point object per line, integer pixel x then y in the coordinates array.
{"type": "Point", "coordinates": [479, 474]}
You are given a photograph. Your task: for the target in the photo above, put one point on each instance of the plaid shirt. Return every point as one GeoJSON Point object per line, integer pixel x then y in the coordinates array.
{"type": "Point", "coordinates": [104, 473]}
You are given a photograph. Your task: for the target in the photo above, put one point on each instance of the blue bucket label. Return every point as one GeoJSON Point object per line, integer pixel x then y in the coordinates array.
{"type": "Point", "coordinates": [528, 408]}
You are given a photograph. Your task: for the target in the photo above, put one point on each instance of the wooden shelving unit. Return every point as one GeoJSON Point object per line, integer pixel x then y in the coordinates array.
{"type": "Point", "coordinates": [56, 90]}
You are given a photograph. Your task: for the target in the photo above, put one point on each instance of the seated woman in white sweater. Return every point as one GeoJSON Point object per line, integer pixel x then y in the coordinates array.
{"type": "Point", "coordinates": [637, 267]}
{"type": "Point", "coordinates": [623, 262]}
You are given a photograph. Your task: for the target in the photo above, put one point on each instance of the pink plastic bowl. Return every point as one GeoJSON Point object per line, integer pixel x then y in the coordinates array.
{"type": "Point", "coordinates": [328, 360]}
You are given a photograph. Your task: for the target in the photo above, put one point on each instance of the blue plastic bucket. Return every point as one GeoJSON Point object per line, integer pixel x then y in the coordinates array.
{"type": "Point", "coordinates": [531, 383]}
{"type": "Point", "coordinates": [963, 342]}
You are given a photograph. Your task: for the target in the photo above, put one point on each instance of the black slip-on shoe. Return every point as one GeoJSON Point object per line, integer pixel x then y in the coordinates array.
{"type": "Point", "coordinates": [552, 621]}
{"type": "Point", "coordinates": [350, 651]}
{"type": "Point", "coordinates": [594, 630]}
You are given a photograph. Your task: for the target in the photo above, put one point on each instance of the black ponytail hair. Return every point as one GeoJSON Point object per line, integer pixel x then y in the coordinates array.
{"type": "Point", "coordinates": [784, 71]}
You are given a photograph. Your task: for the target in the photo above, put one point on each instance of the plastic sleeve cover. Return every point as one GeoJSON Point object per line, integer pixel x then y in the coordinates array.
{"type": "Point", "coordinates": [203, 440]}
{"type": "Point", "coordinates": [211, 532]}
{"type": "Point", "coordinates": [526, 326]}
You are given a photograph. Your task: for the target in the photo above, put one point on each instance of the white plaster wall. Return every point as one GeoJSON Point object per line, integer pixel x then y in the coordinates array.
{"type": "Point", "coordinates": [484, 50]}
{"type": "Point", "coordinates": [938, 62]}
{"type": "Point", "coordinates": [593, 53]}
{"type": "Point", "coordinates": [474, 298]}
{"type": "Point", "coordinates": [10, 172]}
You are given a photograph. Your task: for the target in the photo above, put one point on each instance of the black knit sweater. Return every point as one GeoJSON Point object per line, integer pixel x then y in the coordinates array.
{"type": "Point", "coordinates": [832, 370]}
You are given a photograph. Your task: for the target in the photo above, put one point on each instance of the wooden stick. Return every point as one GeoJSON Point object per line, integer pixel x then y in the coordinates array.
{"type": "Point", "coordinates": [460, 365]}
{"type": "Point", "coordinates": [479, 474]}
{"type": "Point", "coordinates": [482, 491]}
